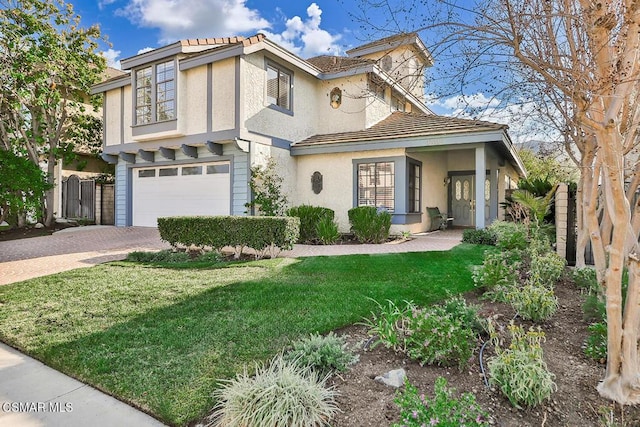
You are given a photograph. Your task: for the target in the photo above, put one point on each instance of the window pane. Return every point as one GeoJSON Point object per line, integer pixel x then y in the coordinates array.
{"type": "Point", "coordinates": [278, 87]}
{"type": "Point", "coordinates": [272, 85]}
{"type": "Point", "coordinates": [458, 190]}
{"type": "Point", "coordinates": [212, 169]}
{"type": "Point", "coordinates": [465, 190]}
{"type": "Point", "coordinates": [168, 172]}
{"type": "Point", "coordinates": [147, 173]}
{"type": "Point", "coordinates": [192, 170]}
{"type": "Point", "coordinates": [283, 93]}
{"type": "Point", "coordinates": [143, 96]}
{"type": "Point", "coordinates": [487, 189]}
{"type": "Point", "coordinates": [376, 185]}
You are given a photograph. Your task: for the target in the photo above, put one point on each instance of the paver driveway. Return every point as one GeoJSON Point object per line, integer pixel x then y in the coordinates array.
{"type": "Point", "coordinates": [72, 248]}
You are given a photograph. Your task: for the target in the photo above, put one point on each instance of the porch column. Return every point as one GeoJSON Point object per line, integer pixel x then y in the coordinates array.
{"type": "Point", "coordinates": [481, 171]}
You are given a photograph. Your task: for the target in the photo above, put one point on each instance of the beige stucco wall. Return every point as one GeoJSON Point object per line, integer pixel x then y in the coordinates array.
{"type": "Point", "coordinates": [350, 115]}
{"type": "Point", "coordinates": [112, 122]}
{"type": "Point", "coordinates": [337, 180]}
{"type": "Point", "coordinates": [192, 100]}
{"type": "Point", "coordinates": [224, 94]}
{"type": "Point", "coordinates": [259, 118]}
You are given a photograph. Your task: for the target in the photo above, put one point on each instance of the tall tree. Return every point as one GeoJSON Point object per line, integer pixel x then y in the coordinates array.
{"type": "Point", "coordinates": [577, 62]}
{"type": "Point", "coordinates": [48, 64]}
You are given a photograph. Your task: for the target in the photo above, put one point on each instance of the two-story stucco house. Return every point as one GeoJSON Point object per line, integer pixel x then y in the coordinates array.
{"type": "Point", "coordinates": [188, 121]}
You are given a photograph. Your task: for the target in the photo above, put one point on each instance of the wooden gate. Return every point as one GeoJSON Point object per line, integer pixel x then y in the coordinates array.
{"type": "Point", "coordinates": [79, 198]}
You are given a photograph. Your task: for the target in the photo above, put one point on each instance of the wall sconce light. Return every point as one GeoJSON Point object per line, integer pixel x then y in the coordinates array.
{"type": "Point", "coordinates": [447, 181]}
{"type": "Point", "coordinates": [335, 97]}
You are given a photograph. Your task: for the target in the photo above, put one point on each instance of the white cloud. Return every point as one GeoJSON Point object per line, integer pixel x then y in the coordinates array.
{"type": "Point", "coordinates": [112, 58]}
{"type": "Point", "coordinates": [103, 3]}
{"type": "Point", "coordinates": [178, 19]}
{"type": "Point", "coordinates": [314, 40]}
{"type": "Point", "coordinates": [145, 50]}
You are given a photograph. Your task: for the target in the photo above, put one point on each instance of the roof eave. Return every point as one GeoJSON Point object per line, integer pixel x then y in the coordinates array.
{"type": "Point", "coordinates": [111, 84]}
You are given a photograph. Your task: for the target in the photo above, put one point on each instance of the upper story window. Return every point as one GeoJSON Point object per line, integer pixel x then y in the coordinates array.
{"type": "Point", "coordinates": [279, 87]}
{"type": "Point", "coordinates": [376, 87]}
{"type": "Point", "coordinates": [155, 93]}
{"type": "Point", "coordinates": [397, 104]}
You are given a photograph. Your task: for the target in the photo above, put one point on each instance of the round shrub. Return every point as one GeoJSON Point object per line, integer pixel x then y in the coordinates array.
{"type": "Point", "coordinates": [310, 217]}
{"type": "Point", "coordinates": [280, 394]}
{"type": "Point", "coordinates": [434, 336]}
{"type": "Point", "coordinates": [324, 354]}
{"type": "Point", "coordinates": [370, 224]}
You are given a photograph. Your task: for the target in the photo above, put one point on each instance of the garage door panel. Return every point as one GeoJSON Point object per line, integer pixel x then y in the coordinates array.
{"type": "Point", "coordinates": [175, 195]}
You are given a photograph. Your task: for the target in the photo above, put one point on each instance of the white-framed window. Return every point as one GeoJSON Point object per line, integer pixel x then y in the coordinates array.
{"type": "Point", "coordinates": [279, 87]}
{"type": "Point", "coordinates": [155, 96]}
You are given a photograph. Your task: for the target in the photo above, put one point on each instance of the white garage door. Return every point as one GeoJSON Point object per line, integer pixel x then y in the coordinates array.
{"type": "Point", "coordinates": [191, 189]}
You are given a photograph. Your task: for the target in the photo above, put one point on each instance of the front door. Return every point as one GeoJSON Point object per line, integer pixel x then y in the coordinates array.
{"type": "Point", "coordinates": [462, 200]}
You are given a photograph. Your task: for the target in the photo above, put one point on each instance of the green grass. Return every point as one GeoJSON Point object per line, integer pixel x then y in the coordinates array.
{"type": "Point", "coordinates": [161, 338]}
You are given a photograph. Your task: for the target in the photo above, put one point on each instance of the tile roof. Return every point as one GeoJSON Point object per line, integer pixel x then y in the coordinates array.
{"type": "Point", "coordinates": [384, 41]}
{"type": "Point", "coordinates": [405, 125]}
{"type": "Point", "coordinates": [332, 64]}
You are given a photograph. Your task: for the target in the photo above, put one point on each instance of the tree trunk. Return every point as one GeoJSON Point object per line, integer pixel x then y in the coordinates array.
{"type": "Point", "coordinates": [582, 237]}
{"type": "Point", "coordinates": [50, 195]}
{"type": "Point", "coordinates": [622, 378]}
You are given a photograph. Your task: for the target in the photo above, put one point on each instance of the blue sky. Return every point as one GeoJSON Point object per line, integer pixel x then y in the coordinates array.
{"type": "Point", "coordinates": [306, 28]}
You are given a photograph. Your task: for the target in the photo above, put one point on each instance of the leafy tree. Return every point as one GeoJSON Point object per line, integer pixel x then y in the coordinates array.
{"type": "Point", "coordinates": [546, 166]}
{"type": "Point", "coordinates": [266, 186]}
{"type": "Point", "coordinates": [574, 66]}
{"type": "Point", "coordinates": [48, 64]}
{"type": "Point", "coordinates": [22, 184]}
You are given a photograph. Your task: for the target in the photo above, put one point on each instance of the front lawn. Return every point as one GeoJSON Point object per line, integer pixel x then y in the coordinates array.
{"type": "Point", "coordinates": [161, 338]}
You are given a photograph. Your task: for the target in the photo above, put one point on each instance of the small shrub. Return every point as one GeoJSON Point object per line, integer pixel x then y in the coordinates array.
{"type": "Point", "coordinates": [443, 410]}
{"type": "Point", "coordinates": [280, 394]}
{"type": "Point", "coordinates": [327, 231]}
{"type": "Point", "coordinates": [595, 346]}
{"type": "Point", "coordinates": [433, 336]}
{"type": "Point", "coordinates": [547, 268]}
{"type": "Point", "coordinates": [520, 371]}
{"type": "Point", "coordinates": [479, 237]}
{"type": "Point", "coordinates": [497, 275]}
{"type": "Point", "coordinates": [509, 235]}
{"type": "Point", "coordinates": [468, 314]}
{"type": "Point", "coordinates": [585, 278]}
{"type": "Point", "coordinates": [324, 354]}
{"type": "Point", "coordinates": [533, 302]}
{"type": "Point", "coordinates": [388, 325]}
{"type": "Point", "coordinates": [429, 335]}
{"type": "Point", "coordinates": [310, 218]}
{"type": "Point", "coordinates": [369, 224]}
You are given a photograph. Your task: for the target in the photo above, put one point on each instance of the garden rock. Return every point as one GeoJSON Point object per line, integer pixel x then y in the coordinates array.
{"type": "Point", "coordinates": [39, 225]}
{"type": "Point", "coordinates": [394, 378]}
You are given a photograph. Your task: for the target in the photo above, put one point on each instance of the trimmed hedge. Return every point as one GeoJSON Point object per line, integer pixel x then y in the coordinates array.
{"type": "Point", "coordinates": [310, 217]}
{"type": "Point", "coordinates": [259, 233]}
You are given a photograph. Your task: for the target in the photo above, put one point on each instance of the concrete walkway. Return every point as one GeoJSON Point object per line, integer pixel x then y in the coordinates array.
{"type": "Point", "coordinates": [32, 394]}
